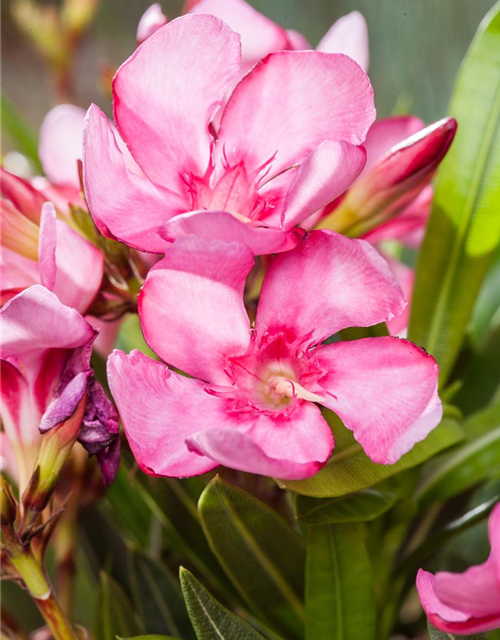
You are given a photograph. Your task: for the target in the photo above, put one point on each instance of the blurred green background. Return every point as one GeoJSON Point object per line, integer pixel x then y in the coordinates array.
{"type": "Point", "coordinates": [416, 48]}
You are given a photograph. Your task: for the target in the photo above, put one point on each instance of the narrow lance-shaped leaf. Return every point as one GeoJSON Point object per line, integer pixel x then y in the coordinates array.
{"type": "Point", "coordinates": [157, 594]}
{"type": "Point", "coordinates": [261, 554]}
{"type": "Point", "coordinates": [464, 227]}
{"type": "Point", "coordinates": [210, 619]}
{"type": "Point", "coordinates": [350, 470]}
{"type": "Point", "coordinates": [340, 602]}
{"type": "Point", "coordinates": [358, 507]}
{"type": "Point", "coordinates": [114, 613]}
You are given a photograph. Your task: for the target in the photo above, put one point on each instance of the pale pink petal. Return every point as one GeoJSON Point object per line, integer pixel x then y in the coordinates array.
{"type": "Point", "coordinates": [446, 618]}
{"type": "Point", "coordinates": [70, 265]}
{"type": "Point", "coordinates": [168, 91]}
{"type": "Point", "coordinates": [290, 446]}
{"type": "Point", "coordinates": [259, 34]}
{"type": "Point", "coordinates": [348, 35]}
{"type": "Point", "coordinates": [289, 104]}
{"type": "Point", "coordinates": [123, 204]}
{"type": "Point", "coordinates": [191, 306]}
{"type": "Point", "coordinates": [108, 334]}
{"type": "Point", "coordinates": [296, 41]}
{"type": "Point", "coordinates": [329, 282]}
{"type": "Point", "coordinates": [476, 592]}
{"type": "Point", "coordinates": [405, 277]}
{"type": "Point", "coordinates": [387, 133]}
{"type": "Point", "coordinates": [385, 392]}
{"type": "Point", "coordinates": [16, 271]}
{"type": "Point", "coordinates": [60, 145]}
{"type": "Point", "coordinates": [322, 177]}
{"type": "Point", "coordinates": [224, 226]}
{"type": "Point", "coordinates": [152, 20]}
{"type": "Point", "coordinates": [159, 410]}
{"type": "Point", "coordinates": [8, 459]}
{"type": "Point", "coordinates": [35, 320]}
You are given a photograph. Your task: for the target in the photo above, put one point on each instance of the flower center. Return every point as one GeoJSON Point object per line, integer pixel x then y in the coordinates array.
{"type": "Point", "coordinates": [279, 391]}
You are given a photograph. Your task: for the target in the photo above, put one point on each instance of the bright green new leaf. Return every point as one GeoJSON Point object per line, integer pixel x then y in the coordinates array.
{"type": "Point", "coordinates": [464, 227]}
{"type": "Point", "coordinates": [19, 131]}
{"type": "Point", "coordinates": [210, 619]}
{"type": "Point", "coordinates": [358, 507]}
{"type": "Point", "coordinates": [350, 470]}
{"type": "Point", "coordinates": [340, 602]}
{"type": "Point", "coordinates": [114, 613]}
{"type": "Point", "coordinates": [157, 595]}
{"type": "Point", "coordinates": [261, 554]}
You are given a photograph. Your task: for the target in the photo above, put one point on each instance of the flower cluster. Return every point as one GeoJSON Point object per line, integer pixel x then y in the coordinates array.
{"type": "Point", "coordinates": [242, 202]}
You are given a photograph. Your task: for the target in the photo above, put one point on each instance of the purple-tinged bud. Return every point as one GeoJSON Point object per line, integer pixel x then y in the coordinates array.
{"type": "Point", "coordinates": [393, 182]}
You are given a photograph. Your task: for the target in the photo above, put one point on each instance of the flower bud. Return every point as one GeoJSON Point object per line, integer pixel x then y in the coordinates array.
{"type": "Point", "coordinates": [393, 182]}
{"type": "Point", "coordinates": [152, 19]}
{"type": "Point", "coordinates": [8, 507]}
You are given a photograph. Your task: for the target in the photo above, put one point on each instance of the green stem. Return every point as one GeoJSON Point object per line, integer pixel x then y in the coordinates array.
{"type": "Point", "coordinates": [40, 590]}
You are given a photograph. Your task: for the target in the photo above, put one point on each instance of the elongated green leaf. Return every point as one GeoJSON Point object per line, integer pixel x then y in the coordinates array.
{"type": "Point", "coordinates": [157, 595]}
{"type": "Point", "coordinates": [464, 227]}
{"type": "Point", "coordinates": [261, 554]}
{"type": "Point", "coordinates": [350, 470]}
{"type": "Point", "coordinates": [469, 464]}
{"type": "Point", "coordinates": [114, 613]}
{"type": "Point", "coordinates": [436, 634]}
{"type": "Point", "coordinates": [340, 602]}
{"type": "Point", "coordinates": [358, 507]}
{"type": "Point", "coordinates": [19, 131]}
{"type": "Point", "coordinates": [210, 619]}
{"type": "Point", "coordinates": [127, 508]}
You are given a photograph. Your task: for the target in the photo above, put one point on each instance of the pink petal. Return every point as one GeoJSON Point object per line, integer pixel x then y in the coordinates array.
{"type": "Point", "coordinates": [16, 272]}
{"type": "Point", "coordinates": [259, 35]}
{"type": "Point", "coordinates": [329, 282]}
{"type": "Point", "coordinates": [297, 42]}
{"type": "Point", "coordinates": [60, 145]}
{"type": "Point", "coordinates": [387, 133]}
{"type": "Point", "coordinates": [159, 410]}
{"type": "Point", "coordinates": [152, 20]}
{"type": "Point", "coordinates": [289, 104]}
{"type": "Point", "coordinates": [35, 320]}
{"type": "Point", "coordinates": [191, 306]}
{"type": "Point", "coordinates": [70, 265]}
{"type": "Point", "coordinates": [385, 392]}
{"type": "Point", "coordinates": [22, 195]}
{"type": "Point", "coordinates": [322, 177]}
{"type": "Point", "coordinates": [123, 204]}
{"type": "Point", "coordinates": [405, 277]}
{"type": "Point", "coordinates": [290, 448]}
{"type": "Point", "coordinates": [18, 233]}
{"type": "Point", "coordinates": [108, 334]}
{"type": "Point", "coordinates": [348, 35]}
{"type": "Point", "coordinates": [446, 618]}
{"type": "Point", "coordinates": [475, 592]}
{"type": "Point", "coordinates": [224, 226]}
{"type": "Point", "coordinates": [168, 91]}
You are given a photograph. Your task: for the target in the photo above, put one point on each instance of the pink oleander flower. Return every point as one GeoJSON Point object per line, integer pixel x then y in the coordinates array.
{"type": "Point", "coordinates": [469, 602]}
{"type": "Point", "coordinates": [39, 247]}
{"type": "Point", "coordinates": [261, 36]}
{"type": "Point", "coordinates": [287, 143]}
{"type": "Point", "coordinates": [251, 403]}
{"type": "Point", "coordinates": [46, 374]}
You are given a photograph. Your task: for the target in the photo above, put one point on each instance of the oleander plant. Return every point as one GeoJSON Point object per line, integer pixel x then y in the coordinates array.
{"type": "Point", "coordinates": [250, 341]}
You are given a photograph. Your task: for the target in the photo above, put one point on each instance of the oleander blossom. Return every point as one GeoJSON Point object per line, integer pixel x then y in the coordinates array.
{"type": "Point", "coordinates": [287, 144]}
{"type": "Point", "coordinates": [469, 602]}
{"type": "Point", "coordinates": [46, 374]}
{"type": "Point", "coordinates": [251, 403]}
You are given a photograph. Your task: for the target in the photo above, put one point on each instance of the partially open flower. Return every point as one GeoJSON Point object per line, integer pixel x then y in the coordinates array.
{"type": "Point", "coordinates": [469, 602]}
{"type": "Point", "coordinates": [47, 380]}
{"type": "Point", "coordinates": [253, 406]}
{"type": "Point", "coordinates": [287, 144]}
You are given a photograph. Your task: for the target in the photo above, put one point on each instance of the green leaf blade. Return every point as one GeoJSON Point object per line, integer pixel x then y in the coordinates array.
{"type": "Point", "coordinates": [210, 619]}
{"type": "Point", "coordinates": [340, 602]}
{"type": "Point", "coordinates": [260, 553]}
{"type": "Point", "coordinates": [463, 232]}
